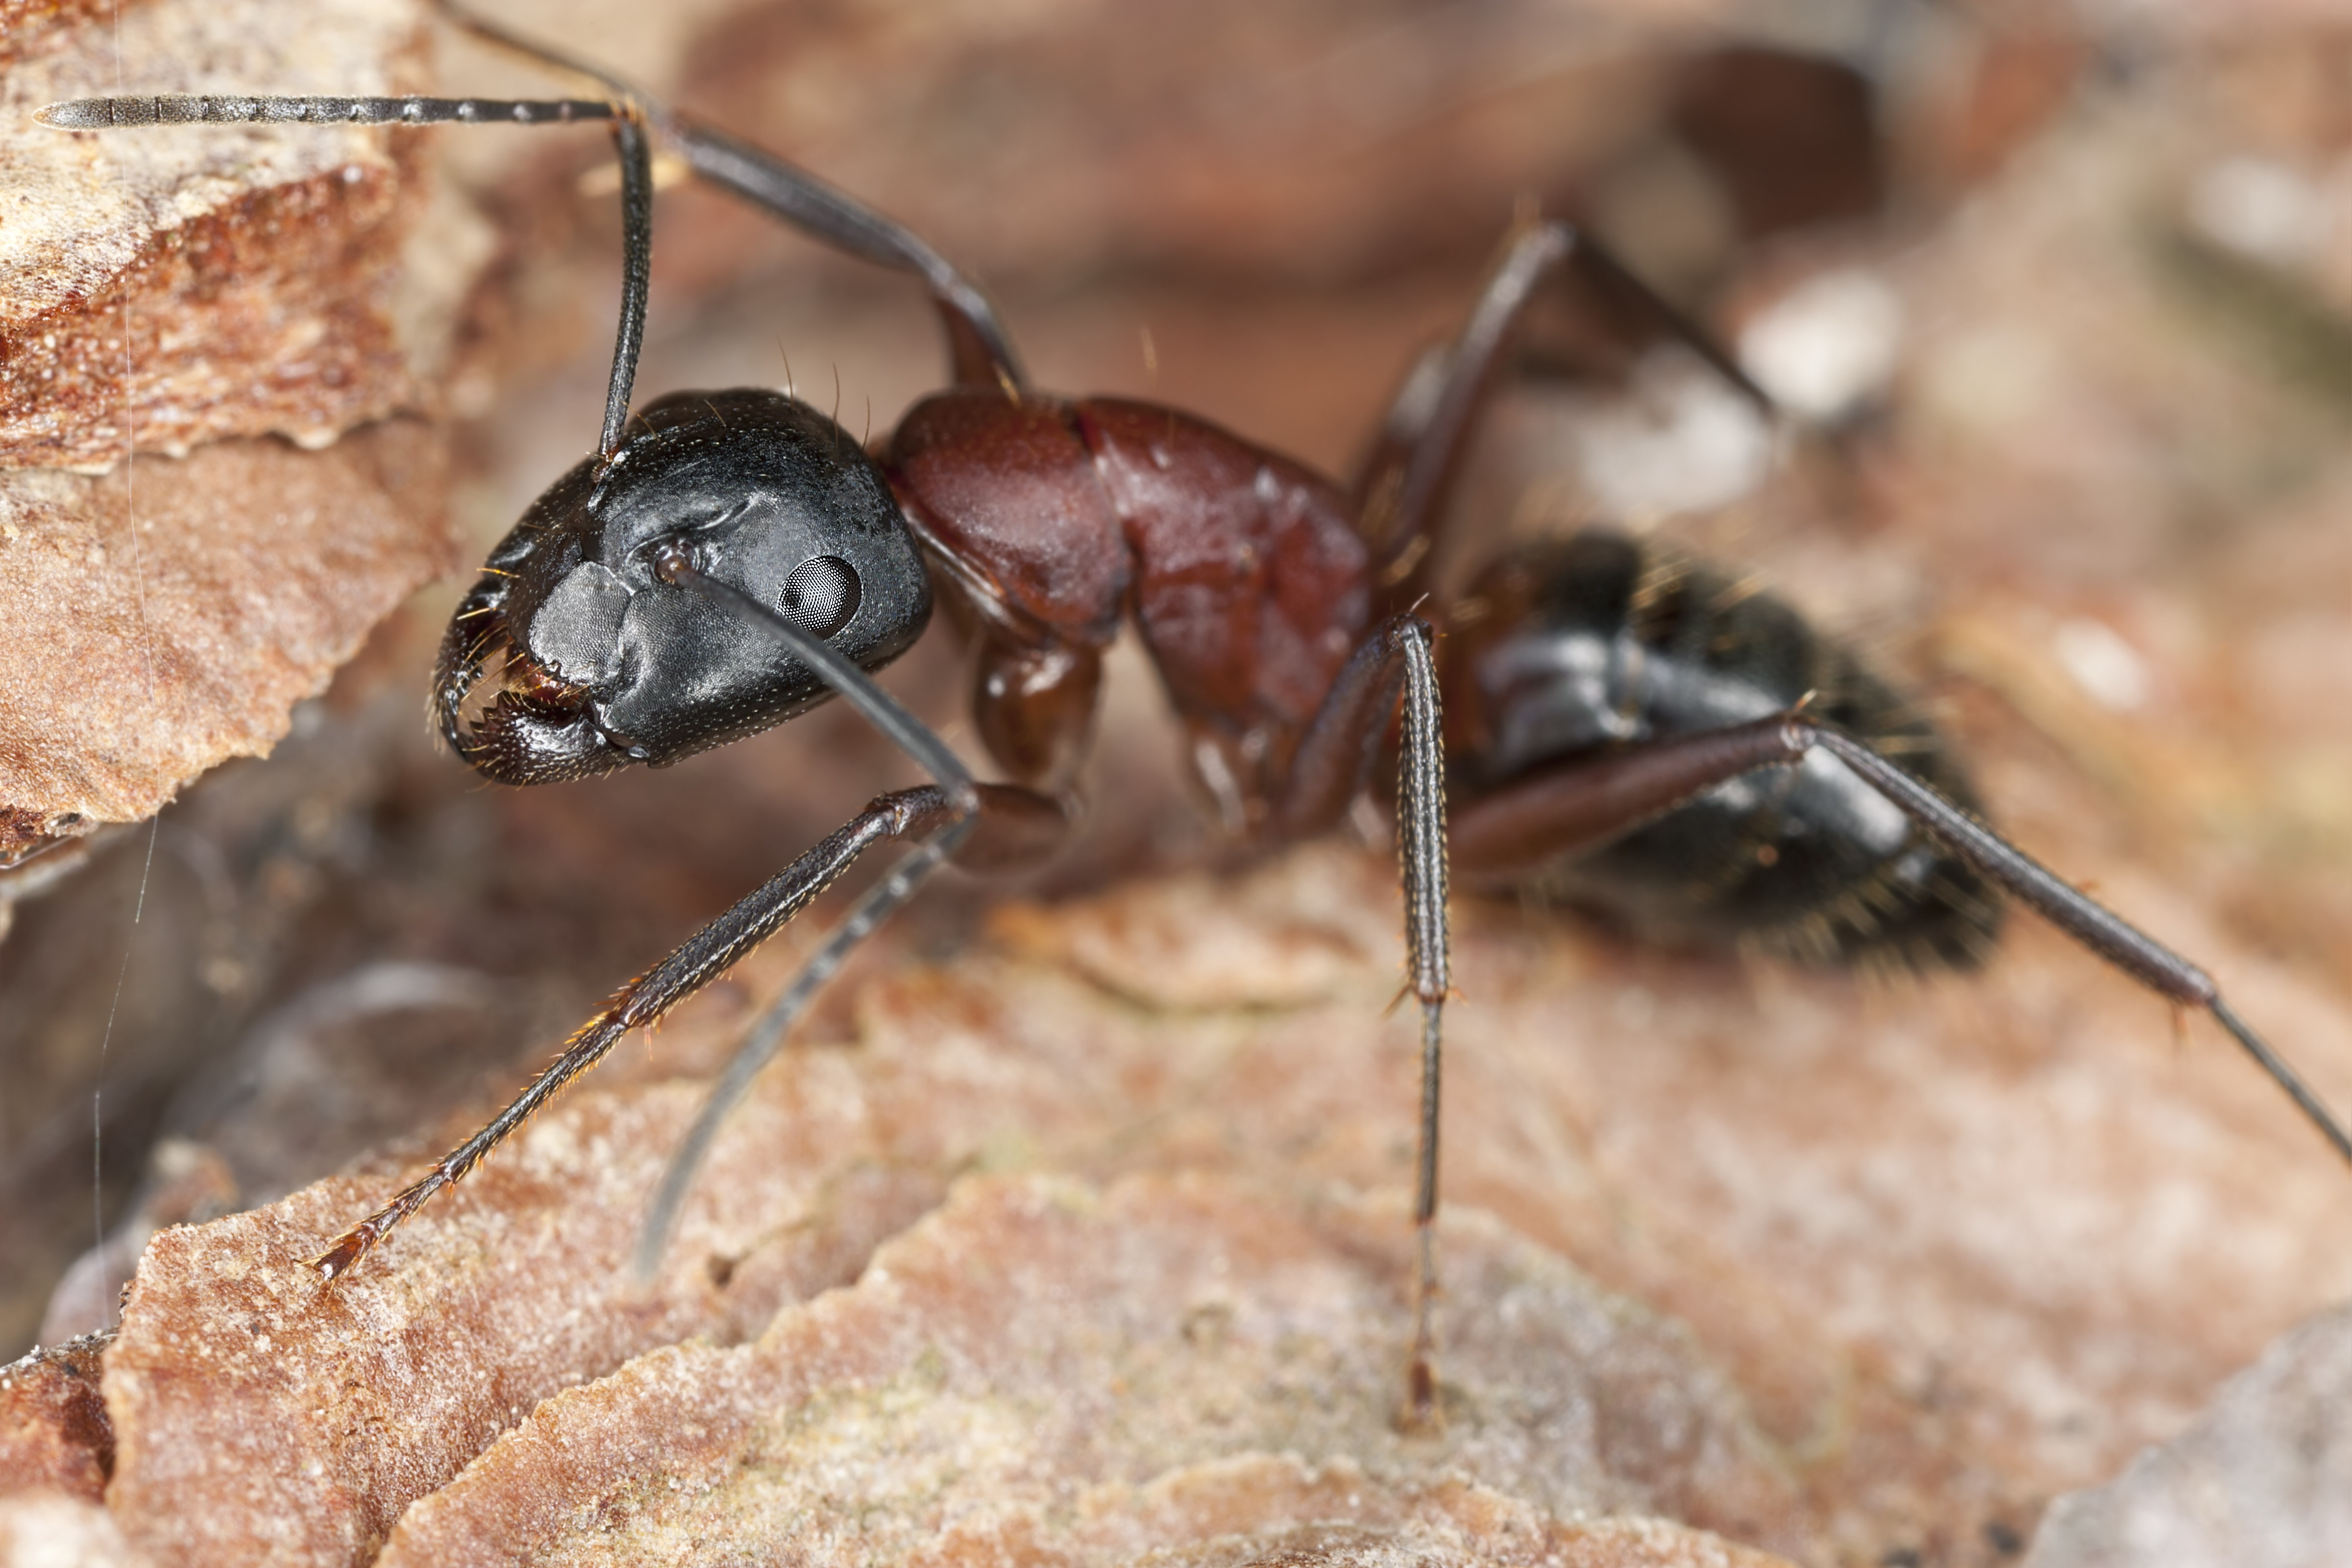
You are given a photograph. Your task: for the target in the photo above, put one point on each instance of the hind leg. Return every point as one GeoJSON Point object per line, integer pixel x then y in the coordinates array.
{"type": "Point", "coordinates": [1584, 804]}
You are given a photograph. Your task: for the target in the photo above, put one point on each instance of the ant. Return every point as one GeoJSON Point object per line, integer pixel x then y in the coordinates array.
{"type": "Point", "coordinates": [1601, 722]}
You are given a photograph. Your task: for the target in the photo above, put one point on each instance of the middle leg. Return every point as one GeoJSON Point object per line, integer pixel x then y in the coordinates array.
{"type": "Point", "coordinates": [1332, 763]}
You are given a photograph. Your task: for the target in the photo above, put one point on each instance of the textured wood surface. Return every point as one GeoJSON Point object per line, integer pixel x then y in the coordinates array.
{"type": "Point", "coordinates": [1904, 1259]}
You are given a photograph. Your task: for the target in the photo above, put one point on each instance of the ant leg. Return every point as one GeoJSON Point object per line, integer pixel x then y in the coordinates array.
{"type": "Point", "coordinates": [1586, 804]}
{"type": "Point", "coordinates": [1332, 762]}
{"type": "Point", "coordinates": [989, 827]}
{"type": "Point", "coordinates": [645, 1000]}
{"type": "Point", "coordinates": [1402, 487]}
{"type": "Point", "coordinates": [980, 351]}
{"type": "Point", "coordinates": [241, 109]}
{"type": "Point", "coordinates": [767, 1037]}
{"type": "Point", "coordinates": [1027, 827]}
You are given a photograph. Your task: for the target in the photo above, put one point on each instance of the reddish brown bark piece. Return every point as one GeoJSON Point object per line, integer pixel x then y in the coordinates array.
{"type": "Point", "coordinates": [505, 1292]}
{"type": "Point", "coordinates": [163, 620]}
{"type": "Point", "coordinates": [501, 1294]}
{"type": "Point", "coordinates": [1794, 1164]}
{"type": "Point", "coordinates": [53, 1432]}
{"type": "Point", "coordinates": [173, 286]}
{"type": "Point", "coordinates": [39, 27]}
{"type": "Point", "coordinates": [254, 269]}
{"type": "Point", "coordinates": [267, 1418]}
{"type": "Point", "coordinates": [1047, 1372]}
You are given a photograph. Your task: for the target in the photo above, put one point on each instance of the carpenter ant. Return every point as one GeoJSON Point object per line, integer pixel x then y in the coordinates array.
{"type": "Point", "coordinates": [1623, 731]}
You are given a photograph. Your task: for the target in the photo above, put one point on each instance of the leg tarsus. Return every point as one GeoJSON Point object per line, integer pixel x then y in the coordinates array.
{"type": "Point", "coordinates": [2070, 909]}
{"type": "Point", "coordinates": [1422, 1415]}
{"type": "Point", "coordinates": [2285, 1077]}
{"type": "Point", "coordinates": [1585, 806]}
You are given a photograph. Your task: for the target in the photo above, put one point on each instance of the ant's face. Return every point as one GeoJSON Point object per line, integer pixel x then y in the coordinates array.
{"type": "Point", "coordinates": [601, 663]}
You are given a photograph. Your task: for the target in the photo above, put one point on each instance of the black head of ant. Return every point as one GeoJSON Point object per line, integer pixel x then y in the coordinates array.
{"type": "Point", "coordinates": [601, 661]}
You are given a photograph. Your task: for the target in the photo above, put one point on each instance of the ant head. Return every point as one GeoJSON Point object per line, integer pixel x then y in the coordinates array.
{"type": "Point", "coordinates": [601, 663]}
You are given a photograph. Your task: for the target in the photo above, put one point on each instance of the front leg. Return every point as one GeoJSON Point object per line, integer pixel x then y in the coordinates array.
{"type": "Point", "coordinates": [992, 825]}
{"type": "Point", "coordinates": [1008, 827]}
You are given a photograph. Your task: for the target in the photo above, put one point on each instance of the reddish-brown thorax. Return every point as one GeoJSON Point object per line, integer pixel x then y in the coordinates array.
{"type": "Point", "coordinates": [1054, 517]}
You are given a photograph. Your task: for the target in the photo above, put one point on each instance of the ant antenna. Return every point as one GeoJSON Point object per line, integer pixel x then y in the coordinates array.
{"type": "Point", "coordinates": [628, 136]}
{"type": "Point", "coordinates": [980, 351]}
{"type": "Point", "coordinates": [637, 272]}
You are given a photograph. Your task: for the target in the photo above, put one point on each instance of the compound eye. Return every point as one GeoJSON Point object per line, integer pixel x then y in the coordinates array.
{"type": "Point", "coordinates": [821, 595]}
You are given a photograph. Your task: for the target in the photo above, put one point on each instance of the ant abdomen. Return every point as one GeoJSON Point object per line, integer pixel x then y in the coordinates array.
{"type": "Point", "coordinates": [1568, 649]}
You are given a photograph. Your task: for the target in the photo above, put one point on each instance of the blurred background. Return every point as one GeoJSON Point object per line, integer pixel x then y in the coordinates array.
{"type": "Point", "coordinates": [2063, 293]}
